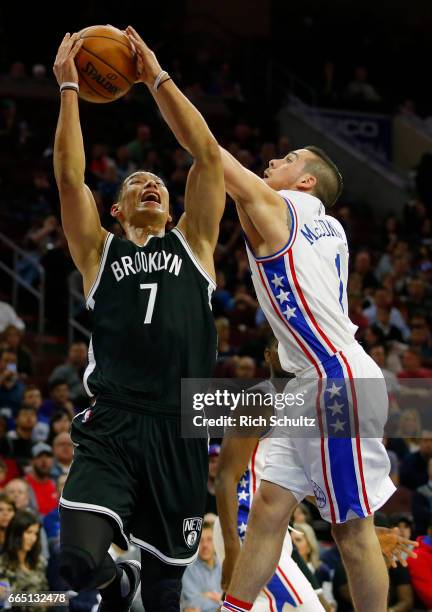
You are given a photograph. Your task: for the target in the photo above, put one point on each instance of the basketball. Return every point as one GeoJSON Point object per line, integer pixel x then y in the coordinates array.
{"type": "Point", "coordinates": [106, 64]}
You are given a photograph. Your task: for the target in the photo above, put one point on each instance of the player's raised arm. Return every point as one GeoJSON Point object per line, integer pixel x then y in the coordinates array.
{"type": "Point", "coordinates": [80, 218]}
{"type": "Point", "coordinates": [233, 460]}
{"type": "Point", "coordinates": [262, 211]}
{"type": "Point", "coordinates": [205, 191]}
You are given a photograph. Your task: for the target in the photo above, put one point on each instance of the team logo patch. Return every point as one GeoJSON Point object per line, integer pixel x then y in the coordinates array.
{"type": "Point", "coordinates": [87, 415]}
{"type": "Point", "coordinates": [192, 530]}
{"type": "Point", "coordinates": [319, 495]}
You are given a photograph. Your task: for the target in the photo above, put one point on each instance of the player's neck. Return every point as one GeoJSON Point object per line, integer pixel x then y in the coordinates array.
{"type": "Point", "coordinates": [140, 235]}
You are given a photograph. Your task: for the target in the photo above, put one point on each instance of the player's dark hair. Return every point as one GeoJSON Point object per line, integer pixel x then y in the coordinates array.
{"type": "Point", "coordinates": [125, 180]}
{"type": "Point", "coordinates": [329, 179]}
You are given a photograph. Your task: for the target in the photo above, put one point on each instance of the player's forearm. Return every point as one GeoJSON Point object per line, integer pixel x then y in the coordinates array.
{"type": "Point", "coordinates": [227, 506]}
{"type": "Point", "coordinates": [69, 157]}
{"type": "Point", "coordinates": [186, 122]}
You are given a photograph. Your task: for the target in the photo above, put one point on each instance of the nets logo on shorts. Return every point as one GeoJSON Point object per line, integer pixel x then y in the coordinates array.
{"type": "Point", "coordinates": [192, 530]}
{"type": "Point", "coordinates": [319, 495]}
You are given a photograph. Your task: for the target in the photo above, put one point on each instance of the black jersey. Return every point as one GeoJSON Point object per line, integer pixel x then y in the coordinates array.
{"type": "Point", "coordinates": [152, 323]}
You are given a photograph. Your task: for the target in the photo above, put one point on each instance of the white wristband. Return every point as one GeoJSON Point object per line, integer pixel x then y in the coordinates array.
{"type": "Point", "coordinates": [159, 78]}
{"type": "Point", "coordinates": [69, 85]}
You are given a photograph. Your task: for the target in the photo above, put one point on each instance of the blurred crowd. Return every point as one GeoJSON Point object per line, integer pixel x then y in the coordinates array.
{"type": "Point", "coordinates": [390, 300]}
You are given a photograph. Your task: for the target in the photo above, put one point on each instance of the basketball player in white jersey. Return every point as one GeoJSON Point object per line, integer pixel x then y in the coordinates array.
{"type": "Point", "coordinates": [240, 468]}
{"type": "Point", "coordinates": [299, 261]}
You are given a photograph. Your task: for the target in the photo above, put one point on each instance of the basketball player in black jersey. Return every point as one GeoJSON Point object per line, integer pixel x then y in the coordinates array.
{"type": "Point", "coordinates": [133, 476]}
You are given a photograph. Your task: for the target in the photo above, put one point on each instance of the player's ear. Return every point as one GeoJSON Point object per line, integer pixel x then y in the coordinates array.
{"type": "Point", "coordinates": [306, 182]}
{"type": "Point", "coordinates": [115, 210]}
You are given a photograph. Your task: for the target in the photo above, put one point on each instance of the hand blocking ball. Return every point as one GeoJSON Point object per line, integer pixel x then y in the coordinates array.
{"type": "Point", "coordinates": [106, 64]}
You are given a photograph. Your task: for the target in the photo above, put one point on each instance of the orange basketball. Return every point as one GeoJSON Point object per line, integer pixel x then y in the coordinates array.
{"type": "Point", "coordinates": [106, 64]}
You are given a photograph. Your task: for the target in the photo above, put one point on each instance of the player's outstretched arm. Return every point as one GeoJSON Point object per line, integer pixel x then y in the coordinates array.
{"type": "Point", "coordinates": [205, 192]}
{"type": "Point", "coordinates": [233, 460]}
{"type": "Point", "coordinates": [80, 217]}
{"type": "Point", "coordinates": [262, 211]}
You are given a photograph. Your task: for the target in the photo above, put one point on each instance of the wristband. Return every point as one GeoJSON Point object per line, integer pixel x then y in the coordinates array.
{"type": "Point", "coordinates": [69, 85]}
{"type": "Point", "coordinates": [159, 78]}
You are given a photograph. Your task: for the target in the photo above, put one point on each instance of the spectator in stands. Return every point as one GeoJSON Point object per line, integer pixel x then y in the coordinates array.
{"type": "Point", "coordinates": [302, 515]}
{"type": "Point", "coordinates": [422, 504]}
{"type": "Point", "coordinates": [125, 165]}
{"type": "Point", "coordinates": [394, 463]}
{"type": "Point", "coordinates": [51, 521]}
{"type": "Point", "coordinates": [379, 355]}
{"type": "Point", "coordinates": [360, 92]}
{"type": "Point", "coordinates": [40, 480]}
{"type": "Point", "coordinates": [60, 422]}
{"type": "Point", "coordinates": [20, 492]}
{"type": "Point", "coordinates": [419, 299]}
{"type": "Point", "coordinates": [59, 400]}
{"type": "Point", "coordinates": [407, 435]}
{"type": "Point", "coordinates": [414, 468]}
{"type": "Point", "coordinates": [63, 455]}
{"type": "Point", "coordinates": [403, 522]}
{"type": "Point", "coordinates": [43, 235]}
{"type": "Point", "coordinates": [363, 267]}
{"type": "Point", "coordinates": [202, 580]}
{"type": "Point", "coordinates": [222, 298]}
{"type": "Point", "coordinates": [139, 147]}
{"type": "Point", "coordinates": [11, 387]}
{"type": "Point", "coordinates": [384, 327]}
{"type": "Point", "coordinates": [7, 512]}
{"type": "Point", "coordinates": [383, 298]}
{"type": "Point", "coordinates": [412, 366]}
{"type": "Point", "coordinates": [22, 437]}
{"type": "Point", "coordinates": [8, 316]}
{"type": "Point", "coordinates": [245, 367]}
{"type": "Point", "coordinates": [214, 452]}
{"type": "Point", "coordinates": [224, 348]}
{"type": "Point", "coordinates": [21, 563]}
{"type": "Point", "coordinates": [73, 371]}
{"type": "Point", "coordinates": [420, 341]}
{"type": "Point", "coordinates": [99, 162]}
{"type": "Point", "coordinates": [401, 594]}
{"type": "Point", "coordinates": [13, 337]}
{"type": "Point", "coordinates": [32, 398]}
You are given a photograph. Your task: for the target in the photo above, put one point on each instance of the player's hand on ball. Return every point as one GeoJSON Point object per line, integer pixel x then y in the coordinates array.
{"type": "Point", "coordinates": [148, 67]}
{"type": "Point", "coordinates": [64, 66]}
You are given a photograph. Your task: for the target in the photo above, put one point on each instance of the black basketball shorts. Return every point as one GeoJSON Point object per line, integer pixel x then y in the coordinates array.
{"type": "Point", "coordinates": [136, 469]}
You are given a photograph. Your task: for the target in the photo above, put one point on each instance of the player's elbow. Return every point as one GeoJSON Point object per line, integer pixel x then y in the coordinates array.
{"type": "Point", "coordinates": [68, 178]}
{"type": "Point", "coordinates": [209, 152]}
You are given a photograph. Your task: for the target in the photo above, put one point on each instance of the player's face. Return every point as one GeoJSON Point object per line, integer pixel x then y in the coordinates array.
{"type": "Point", "coordinates": [144, 200]}
{"type": "Point", "coordinates": [287, 172]}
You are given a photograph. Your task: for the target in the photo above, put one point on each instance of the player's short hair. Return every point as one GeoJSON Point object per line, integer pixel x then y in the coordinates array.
{"type": "Point", "coordinates": [329, 179]}
{"type": "Point", "coordinates": [125, 180]}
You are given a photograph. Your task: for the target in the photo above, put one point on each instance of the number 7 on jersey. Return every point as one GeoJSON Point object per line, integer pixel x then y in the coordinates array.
{"type": "Point", "coordinates": [151, 302]}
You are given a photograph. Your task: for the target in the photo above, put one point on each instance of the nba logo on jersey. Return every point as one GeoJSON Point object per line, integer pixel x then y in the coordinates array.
{"type": "Point", "coordinates": [191, 530]}
{"type": "Point", "coordinates": [319, 495]}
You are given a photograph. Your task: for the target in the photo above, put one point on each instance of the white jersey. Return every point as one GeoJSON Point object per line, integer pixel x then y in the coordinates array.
{"type": "Point", "coordinates": [302, 288]}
